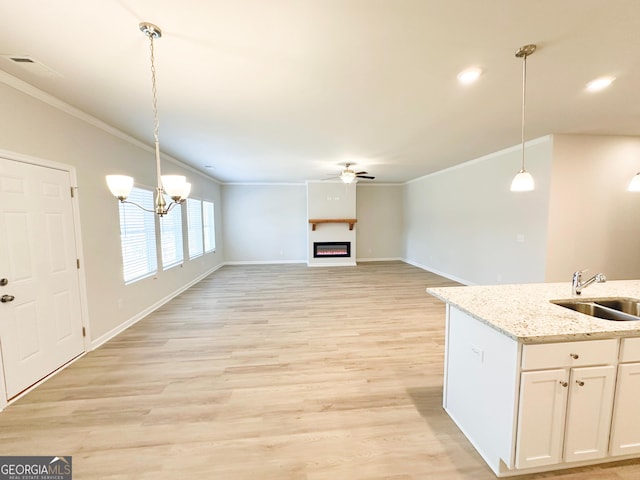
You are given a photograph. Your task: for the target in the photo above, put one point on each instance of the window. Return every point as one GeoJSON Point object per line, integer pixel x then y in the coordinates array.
{"type": "Point", "coordinates": [194, 224]}
{"type": "Point", "coordinates": [208, 227]}
{"type": "Point", "coordinates": [138, 236]}
{"type": "Point", "coordinates": [171, 238]}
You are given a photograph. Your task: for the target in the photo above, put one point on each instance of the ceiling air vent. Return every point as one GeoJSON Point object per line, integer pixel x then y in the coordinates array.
{"type": "Point", "coordinates": [31, 65]}
{"type": "Point", "coordinates": [21, 59]}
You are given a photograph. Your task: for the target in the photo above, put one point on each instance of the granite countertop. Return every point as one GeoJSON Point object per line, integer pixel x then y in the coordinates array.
{"type": "Point", "coordinates": [524, 312]}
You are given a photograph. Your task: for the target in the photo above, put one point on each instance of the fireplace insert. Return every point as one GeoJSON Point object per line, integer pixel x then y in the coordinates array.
{"type": "Point", "coordinates": [331, 249]}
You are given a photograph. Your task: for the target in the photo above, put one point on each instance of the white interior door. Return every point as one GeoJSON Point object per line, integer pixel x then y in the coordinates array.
{"type": "Point", "coordinates": [40, 317]}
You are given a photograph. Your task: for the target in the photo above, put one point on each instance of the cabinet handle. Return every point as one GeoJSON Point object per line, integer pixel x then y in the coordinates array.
{"type": "Point", "coordinates": [575, 356]}
{"type": "Point", "coordinates": [580, 383]}
{"type": "Point", "coordinates": [564, 384]}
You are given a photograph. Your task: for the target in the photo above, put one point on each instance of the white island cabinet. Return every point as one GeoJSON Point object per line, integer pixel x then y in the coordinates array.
{"type": "Point", "coordinates": [625, 434]}
{"type": "Point", "coordinates": [563, 403]}
{"type": "Point", "coordinates": [537, 387]}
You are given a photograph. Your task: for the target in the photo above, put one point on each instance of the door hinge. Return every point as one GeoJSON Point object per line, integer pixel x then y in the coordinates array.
{"type": "Point", "coordinates": [84, 332]}
{"type": "Point", "coordinates": [78, 263]}
{"type": "Point", "coordinates": [72, 195]}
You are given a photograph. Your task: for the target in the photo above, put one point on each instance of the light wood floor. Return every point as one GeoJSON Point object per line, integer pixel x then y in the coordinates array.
{"type": "Point", "coordinates": [277, 372]}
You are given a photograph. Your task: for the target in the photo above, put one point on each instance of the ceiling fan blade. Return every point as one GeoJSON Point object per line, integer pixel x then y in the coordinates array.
{"type": "Point", "coordinates": [365, 176]}
{"type": "Point", "coordinates": [361, 173]}
{"type": "Point", "coordinates": [331, 178]}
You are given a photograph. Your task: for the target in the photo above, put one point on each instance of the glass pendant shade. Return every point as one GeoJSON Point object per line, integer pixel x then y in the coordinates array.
{"type": "Point", "coordinates": [634, 184]}
{"type": "Point", "coordinates": [173, 185]}
{"type": "Point", "coordinates": [186, 191]}
{"type": "Point", "coordinates": [523, 182]}
{"type": "Point", "coordinates": [120, 185]}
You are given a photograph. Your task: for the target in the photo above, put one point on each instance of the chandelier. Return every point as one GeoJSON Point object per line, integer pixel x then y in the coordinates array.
{"type": "Point", "coordinates": [175, 187]}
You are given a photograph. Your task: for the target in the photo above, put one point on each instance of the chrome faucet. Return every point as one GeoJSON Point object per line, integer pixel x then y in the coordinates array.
{"type": "Point", "coordinates": [577, 285]}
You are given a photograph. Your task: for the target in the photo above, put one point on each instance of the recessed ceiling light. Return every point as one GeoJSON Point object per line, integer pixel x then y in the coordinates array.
{"type": "Point", "coordinates": [599, 84]}
{"type": "Point", "coordinates": [470, 75]}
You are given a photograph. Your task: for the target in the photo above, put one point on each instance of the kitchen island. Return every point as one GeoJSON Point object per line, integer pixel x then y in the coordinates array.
{"type": "Point", "coordinates": [535, 386]}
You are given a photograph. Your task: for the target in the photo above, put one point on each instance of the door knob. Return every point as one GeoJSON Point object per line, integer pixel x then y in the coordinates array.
{"type": "Point", "coordinates": [7, 298]}
{"type": "Point", "coordinates": [3, 282]}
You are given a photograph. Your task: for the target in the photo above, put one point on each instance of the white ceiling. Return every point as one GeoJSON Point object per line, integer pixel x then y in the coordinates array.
{"type": "Point", "coordinates": [286, 90]}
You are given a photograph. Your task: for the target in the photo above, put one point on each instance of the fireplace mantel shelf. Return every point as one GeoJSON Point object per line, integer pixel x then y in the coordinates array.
{"type": "Point", "coordinates": [315, 221]}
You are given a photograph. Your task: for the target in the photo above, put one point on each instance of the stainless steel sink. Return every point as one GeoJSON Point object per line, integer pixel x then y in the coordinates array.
{"type": "Point", "coordinates": [625, 305]}
{"type": "Point", "coordinates": [618, 309]}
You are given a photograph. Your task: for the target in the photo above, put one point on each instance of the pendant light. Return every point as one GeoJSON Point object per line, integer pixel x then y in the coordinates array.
{"type": "Point", "coordinates": [175, 186]}
{"type": "Point", "coordinates": [523, 181]}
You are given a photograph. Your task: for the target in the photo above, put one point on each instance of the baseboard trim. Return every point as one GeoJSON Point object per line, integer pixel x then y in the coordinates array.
{"type": "Point", "coordinates": [390, 259]}
{"type": "Point", "coordinates": [139, 316]}
{"type": "Point", "coordinates": [438, 272]}
{"type": "Point", "coordinates": [336, 264]}
{"type": "Point", "coordinates": [265, 262]}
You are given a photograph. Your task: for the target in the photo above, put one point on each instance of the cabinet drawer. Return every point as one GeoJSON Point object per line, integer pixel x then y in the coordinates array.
{"type": "Point", "coordinates": [569, 354]}
{"type": "Point", "coordinates": [630, 350]}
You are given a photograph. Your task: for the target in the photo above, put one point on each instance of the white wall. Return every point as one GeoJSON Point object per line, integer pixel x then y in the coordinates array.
{"type": "Point", "coordinates": [260, 221]}
{"type": "Point", "coordinates": [593, 220]}
{"type": "Point", "coordinates": [29, 126]}
{"type": "Point", "coordinates": [265, 223]}
{"type": "Point", "coordinates": [464, 222]}
{"type": "Point", "coordinates": [380, 214]}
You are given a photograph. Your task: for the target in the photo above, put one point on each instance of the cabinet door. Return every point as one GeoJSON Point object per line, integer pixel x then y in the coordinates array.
{"type": "Point", "coordinates": [541, 417]}
{"type": "Point", "coordinates": [625, 436]}
{"type": "Point", "coordinates": [589, 412]}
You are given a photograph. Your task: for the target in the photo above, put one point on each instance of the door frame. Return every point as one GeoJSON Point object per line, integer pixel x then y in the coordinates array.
{"type": "Point", "coordinates": [82, 283]}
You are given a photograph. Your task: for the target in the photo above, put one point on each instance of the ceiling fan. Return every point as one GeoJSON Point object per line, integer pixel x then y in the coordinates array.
{"type": "Point", "coordinates": [348, 175]}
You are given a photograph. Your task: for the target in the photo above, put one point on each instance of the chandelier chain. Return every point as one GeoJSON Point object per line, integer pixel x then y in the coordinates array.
{"type": "Point", "coordinates": [154, 91]}
{"type": "Point", "coordinates": [524, 103]}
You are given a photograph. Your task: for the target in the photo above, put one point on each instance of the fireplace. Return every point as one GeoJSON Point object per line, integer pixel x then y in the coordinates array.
{"type": "Point", "coordinates": [331, 249]}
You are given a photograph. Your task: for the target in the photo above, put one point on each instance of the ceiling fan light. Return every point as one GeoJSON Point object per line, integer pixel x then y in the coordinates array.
{"type": "Point", "coordinates": [523, 182]}
{"type": "Point", "coordinates": [348, 176]}
{"type": "Point", "coordinates": [174, 185]}
{"type": "Point", "coordinates": [120, 186]}
{"type": "Point", "coordinates": [634, 184]}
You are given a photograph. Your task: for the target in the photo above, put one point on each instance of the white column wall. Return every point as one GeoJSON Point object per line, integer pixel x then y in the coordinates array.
{"type": "Point", "coordinates": [593, 219]}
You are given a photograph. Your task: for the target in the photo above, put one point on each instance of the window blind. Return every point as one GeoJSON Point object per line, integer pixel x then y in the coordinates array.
{"type": "Point", "coordinates": [138, 236]}
{"type": "Point", "coordinates": [194, 227]}
{"type": "Point", "coordinates": [208, 226]}
{"type": "Point", "coordinates": [171, 237]}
